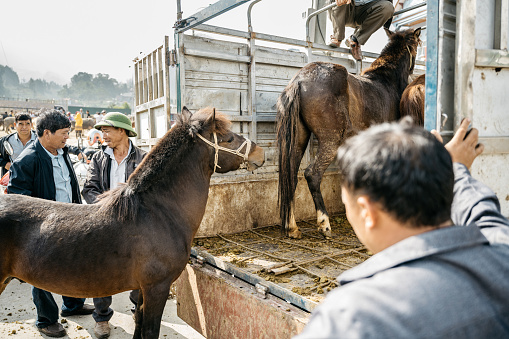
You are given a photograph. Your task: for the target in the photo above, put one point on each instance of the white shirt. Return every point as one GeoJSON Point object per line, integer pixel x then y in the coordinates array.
{"type": "Point", "coordinates": [117, 171]}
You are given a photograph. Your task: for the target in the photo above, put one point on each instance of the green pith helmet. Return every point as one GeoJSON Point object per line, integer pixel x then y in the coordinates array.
{"type": "Point", "coordinates": [117, 119]}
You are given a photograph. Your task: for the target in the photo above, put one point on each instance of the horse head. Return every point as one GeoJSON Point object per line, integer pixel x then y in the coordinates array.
{"type": "Point", "coordinates": [411, 40]}
{"type": "Point", "coordinates": [231, 151]}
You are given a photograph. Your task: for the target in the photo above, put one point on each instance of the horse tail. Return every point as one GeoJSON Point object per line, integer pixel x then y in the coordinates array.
{"type": "Point", "coordinates": [288, 115]}
{"type": "Point", "coordinates": [412, 101]}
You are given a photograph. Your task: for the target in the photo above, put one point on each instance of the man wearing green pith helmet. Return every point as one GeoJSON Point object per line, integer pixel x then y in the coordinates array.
{"type": "Point", "coordinates": [112, 165]}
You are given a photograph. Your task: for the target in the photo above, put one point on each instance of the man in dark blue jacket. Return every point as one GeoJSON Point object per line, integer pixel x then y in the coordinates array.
{"type": "Point", "coordinates": [44, 170]}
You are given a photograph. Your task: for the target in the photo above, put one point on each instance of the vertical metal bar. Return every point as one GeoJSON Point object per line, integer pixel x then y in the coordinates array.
{"type": "Point", "coordinates": [179, 10]}
{"type": "Point", "coordinates": [176, 46]}
{"type": "Point", "coordinates": [252, 76]}
{"type": "Point", "coordinates": [165, 79]}
{"type": "Point", "coordinates": [465, 59]}
{"type": "Point", "coordinates": [502, 24]}
{"type": "Point", "coordinates": [179, 50]}
{"type": "Point", "coordinates": [431, 106]}
{"type": "Point", "coordinates": [497, 19]}
{"type": "Point", "coordinates": [308, 19]}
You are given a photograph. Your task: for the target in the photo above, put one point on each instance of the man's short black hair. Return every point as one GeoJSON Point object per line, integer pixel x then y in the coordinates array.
{"type": "Point", "coordinates": [22, 117]}
{"type": "Point", "coordinates": [52, 121]}
{"type": "Point", "coordinates": [402, 167]}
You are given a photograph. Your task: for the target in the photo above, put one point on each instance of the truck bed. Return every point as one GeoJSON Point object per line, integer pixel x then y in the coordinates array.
{"type": "Point", "coordinates": [299, 271]}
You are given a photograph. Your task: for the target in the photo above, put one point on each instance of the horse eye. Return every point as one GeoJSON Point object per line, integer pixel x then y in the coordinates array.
{"type": "Point", "coordinates": [231, 139]}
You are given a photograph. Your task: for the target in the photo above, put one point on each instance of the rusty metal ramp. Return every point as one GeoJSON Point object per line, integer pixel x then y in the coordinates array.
{"type": "Point", "coordinates": [299, 271]}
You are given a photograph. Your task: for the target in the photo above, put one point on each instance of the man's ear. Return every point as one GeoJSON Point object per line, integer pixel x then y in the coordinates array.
{"type": "Point", "coordinates": [368, 211]}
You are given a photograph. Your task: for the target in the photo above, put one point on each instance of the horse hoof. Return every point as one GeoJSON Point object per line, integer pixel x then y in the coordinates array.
{"type": "Point", "coordinates": [295, 234]}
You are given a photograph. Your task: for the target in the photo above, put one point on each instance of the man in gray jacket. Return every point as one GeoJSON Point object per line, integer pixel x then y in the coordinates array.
{"type": "Point", "coordinates": [110, 167]}
{"type": "Point", "coordinates": [441, 246]}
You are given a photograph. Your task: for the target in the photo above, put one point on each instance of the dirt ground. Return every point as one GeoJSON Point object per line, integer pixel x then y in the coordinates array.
{"type": "Point", "coordinates": [18, 315]}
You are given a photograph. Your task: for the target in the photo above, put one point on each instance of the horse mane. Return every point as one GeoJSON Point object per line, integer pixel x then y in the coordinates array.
{"type": "Point", "coordinates": [163, 159]}
{"type": "Point", "coordinates": [388, 66]}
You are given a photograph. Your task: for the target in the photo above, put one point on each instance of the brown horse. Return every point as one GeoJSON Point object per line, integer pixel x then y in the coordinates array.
{"type": "Point", "coordinates": [412, 100]}
{"type": "Point", "coordinates": [324, 99]}
{"type": "Point", "coordinates": [139, 235]}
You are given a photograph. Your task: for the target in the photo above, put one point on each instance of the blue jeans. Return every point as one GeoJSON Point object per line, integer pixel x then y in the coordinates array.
{"type": "Point", "coordinates": [47, 309]}
{"type": "Point", "coordinates": [103, 312]}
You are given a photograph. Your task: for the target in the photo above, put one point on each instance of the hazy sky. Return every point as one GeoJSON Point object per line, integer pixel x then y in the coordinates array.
{"type": "Point", "coordinates": [55, 39]}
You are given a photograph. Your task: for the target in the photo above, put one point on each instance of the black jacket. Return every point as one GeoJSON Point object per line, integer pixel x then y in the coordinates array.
{"type": "Point", "coordinates": [98, 177]}
{"type": "Point", "coordinates": [32, 174]}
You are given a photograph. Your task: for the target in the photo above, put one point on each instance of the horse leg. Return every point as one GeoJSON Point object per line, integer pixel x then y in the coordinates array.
{"type": "Point", "coordinates": [154, 300]}
{"type": "Point", "coordinates": [5, 282]}
{"type": "Point", "coordinates": [138, 317]}
{"type": "Point", "coordinates": [302, 143]}
{"type": "Point", "coordinates": [314, 173]}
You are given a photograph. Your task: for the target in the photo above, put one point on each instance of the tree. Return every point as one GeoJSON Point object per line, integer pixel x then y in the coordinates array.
{"type": "Point", "coordinates": [9, 77]}
{"type": "Point", "coordinates": [98, 88]}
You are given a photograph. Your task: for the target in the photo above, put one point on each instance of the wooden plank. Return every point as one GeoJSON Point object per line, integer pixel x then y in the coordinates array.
{"type": "Point", "coordinates": [207, 294]}
{"type": "Point", "coordinates": [149, 77]}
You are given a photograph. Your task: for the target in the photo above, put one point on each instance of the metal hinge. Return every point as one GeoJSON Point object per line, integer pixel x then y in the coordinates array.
{"type": "Point", "coordinates": [200, 261]}
{"type": "Point", "coordinates": [262, 290]}
{"type": "Point", "coordinates": [171, 58]}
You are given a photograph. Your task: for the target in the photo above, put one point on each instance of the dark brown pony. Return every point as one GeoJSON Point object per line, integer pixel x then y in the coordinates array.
{"type": "Point", "coordinates": [137, 237]}
{"type": "Point", "coordinates": [324, 99]}
{"type": "Point", "coordinates": [412, 100]}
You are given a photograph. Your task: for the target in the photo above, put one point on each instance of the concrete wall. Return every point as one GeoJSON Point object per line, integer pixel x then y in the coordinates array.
{"type": "Point", "coordinates": [240, 203]}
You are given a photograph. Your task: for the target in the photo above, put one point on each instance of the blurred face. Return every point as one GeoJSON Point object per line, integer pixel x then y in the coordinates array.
{"type": "Point", "coordinates": [23, 127]}
{"type": "Point", "coordinates": [57, 140]}
{"type": "Point", "coordinates": [113, 137]}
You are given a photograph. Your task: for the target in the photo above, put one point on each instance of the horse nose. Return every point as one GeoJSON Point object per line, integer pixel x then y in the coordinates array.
{"type": "Point", "coordinates": [257, 156]}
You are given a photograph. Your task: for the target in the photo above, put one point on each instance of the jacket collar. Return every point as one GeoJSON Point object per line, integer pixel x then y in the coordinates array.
{"type": "Point", "coordinates": [40, 148]}
{"type": "Point", "coordinates": [132, 148]}
{"type": "Point", "coordinates": [33, 135]}
{"type": "Point", "coordinates": [414, 248]}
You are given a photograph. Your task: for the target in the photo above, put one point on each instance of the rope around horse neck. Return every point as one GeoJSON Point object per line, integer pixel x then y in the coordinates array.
{"type": "Point", "coordinates": [237, 152]}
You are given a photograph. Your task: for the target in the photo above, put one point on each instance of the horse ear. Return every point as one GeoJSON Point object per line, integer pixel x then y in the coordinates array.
{"type": "Point", "coordinates": [417, 33]}
{"type": "Point", "coordinates": [186, 113]}
{"type": "Point", "coordinates": [388, 32]}
{"type": "Point", "coordinates": [212, 119]}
